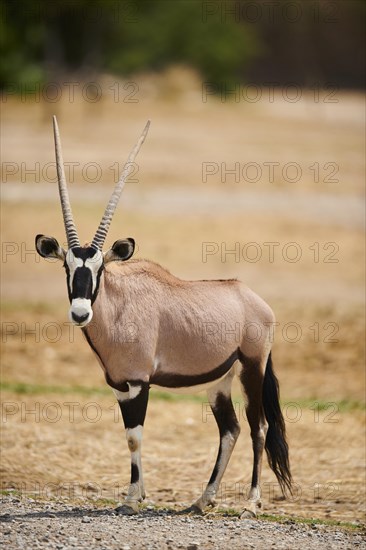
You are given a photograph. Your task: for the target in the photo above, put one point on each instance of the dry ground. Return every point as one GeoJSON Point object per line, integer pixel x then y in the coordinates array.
{"type": "Point", "coordinates": [173, 214]}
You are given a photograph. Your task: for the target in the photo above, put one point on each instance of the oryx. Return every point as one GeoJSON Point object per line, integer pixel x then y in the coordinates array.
{"type": "Point", "coordinates": [190, 335]}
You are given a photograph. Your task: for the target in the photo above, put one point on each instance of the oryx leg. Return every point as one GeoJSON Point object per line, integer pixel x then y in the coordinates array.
{"type": "Point", "coordinates": [219, 398]}
{"type": "Point", "coordinates": [133, 405]}
{"type": "Point", "coordinates": [251, 378]}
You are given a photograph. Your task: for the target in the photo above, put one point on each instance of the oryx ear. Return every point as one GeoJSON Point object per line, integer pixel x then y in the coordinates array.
{"type": "Point", "coordinates": [48, 247]}
{"type": "Point", "coordinates": [121, 250]}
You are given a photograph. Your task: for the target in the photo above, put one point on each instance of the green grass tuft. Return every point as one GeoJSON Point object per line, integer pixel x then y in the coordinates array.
{"type": "Point", "coordinates": [23, 388]}
{"type": "Point", "coordinates": [317, 405]}
{"type": "Point", "coordinates": [310, 521]}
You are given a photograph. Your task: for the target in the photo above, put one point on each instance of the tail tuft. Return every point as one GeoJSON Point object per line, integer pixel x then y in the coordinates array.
{"type": "Point", "coordinates": [276, 445]}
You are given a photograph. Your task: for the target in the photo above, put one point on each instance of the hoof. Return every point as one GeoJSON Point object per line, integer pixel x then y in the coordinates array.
{"type": "Point", "coordinates": [248, 514]}
{"type": "Point", "coordinates": [126, 510]}
{"type": "Point", "coordinates": [193, 510]}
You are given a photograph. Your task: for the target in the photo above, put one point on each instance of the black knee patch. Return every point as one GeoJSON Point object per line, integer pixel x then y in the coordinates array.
{"type": "Point", "coordinates": [134, 410]}
{"type": "Point", "coordinates": [225, 416]}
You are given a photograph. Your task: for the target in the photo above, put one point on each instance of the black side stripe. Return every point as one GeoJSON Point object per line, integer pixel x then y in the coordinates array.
{"type": "Point", "coordinates": [173, 380]}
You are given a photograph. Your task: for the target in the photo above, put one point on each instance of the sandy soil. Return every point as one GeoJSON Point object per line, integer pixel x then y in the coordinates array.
{"type": "Point", "coordinates": [172, 213]}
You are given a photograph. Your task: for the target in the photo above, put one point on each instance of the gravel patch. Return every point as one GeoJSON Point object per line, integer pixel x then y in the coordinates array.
{"type": "Point", "coordinates": [26, 523]}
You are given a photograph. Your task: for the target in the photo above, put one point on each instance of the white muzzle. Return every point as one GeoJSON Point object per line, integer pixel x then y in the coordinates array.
{"type": "Point", "coordinates": [80, 312]}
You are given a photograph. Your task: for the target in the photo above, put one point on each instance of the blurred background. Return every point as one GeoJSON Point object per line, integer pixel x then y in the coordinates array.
{"type": "Point", "coordinates": [232, 41]}
{"type": "Point", "coordinates": [253, 168]}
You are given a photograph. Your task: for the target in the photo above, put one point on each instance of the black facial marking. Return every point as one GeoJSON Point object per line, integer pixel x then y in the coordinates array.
{"type": "Point", "coordinates": [134, 410]}
{"type": "Point", "coordinates": [68, 280]}
{"type": "Point", "coordinates": [99, 274]}
{"type": "Point", "coordinates": [84, 253]}
{"type": "Point", "coordinates": [82, 284]}
{"type": "Point", "coordinates": [173, 380]}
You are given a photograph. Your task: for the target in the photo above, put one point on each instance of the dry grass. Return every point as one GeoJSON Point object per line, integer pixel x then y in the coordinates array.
{"type": "Point", "coordinates": [180, 444]}
{"type": "Point", "coordinates": [327, 451]}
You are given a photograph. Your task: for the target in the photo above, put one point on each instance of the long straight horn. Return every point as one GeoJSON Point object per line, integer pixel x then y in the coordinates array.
{"type": "Point", "coordinates": [102, 230]}
{"type": "Point", "coordinates": [71, 234]}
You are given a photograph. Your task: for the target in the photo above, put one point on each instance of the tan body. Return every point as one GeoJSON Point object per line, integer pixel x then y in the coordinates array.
{"type": "Point", "coordinates": [147, 321]}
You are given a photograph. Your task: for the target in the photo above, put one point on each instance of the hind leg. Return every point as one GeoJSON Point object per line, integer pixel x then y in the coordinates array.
{"type": "Point", "coordinates": [251, 378]}
{"type": "Point", "coordinates": [222, 407]}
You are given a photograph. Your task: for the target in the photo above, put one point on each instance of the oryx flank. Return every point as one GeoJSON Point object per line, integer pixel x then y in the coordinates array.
{"type": "Point", "coordinates": [188, 335]}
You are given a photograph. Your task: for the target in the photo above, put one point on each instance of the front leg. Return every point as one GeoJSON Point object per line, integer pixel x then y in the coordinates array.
{"type": "Point", "coordinates": [133, 405]}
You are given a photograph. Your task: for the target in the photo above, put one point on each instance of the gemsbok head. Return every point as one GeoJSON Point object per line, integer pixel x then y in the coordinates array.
{"type": "Point", "coordinates": [153, 328]}
{"type": "Point", "coordinates": [84, 265]}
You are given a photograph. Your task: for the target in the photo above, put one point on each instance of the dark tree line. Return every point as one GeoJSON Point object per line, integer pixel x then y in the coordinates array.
{"type": "Point", "coordinates": [257, 41]}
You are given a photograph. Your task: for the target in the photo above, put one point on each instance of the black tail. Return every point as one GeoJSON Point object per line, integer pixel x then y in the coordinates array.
{"type": "Point", "coordinates": [276, 445]}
